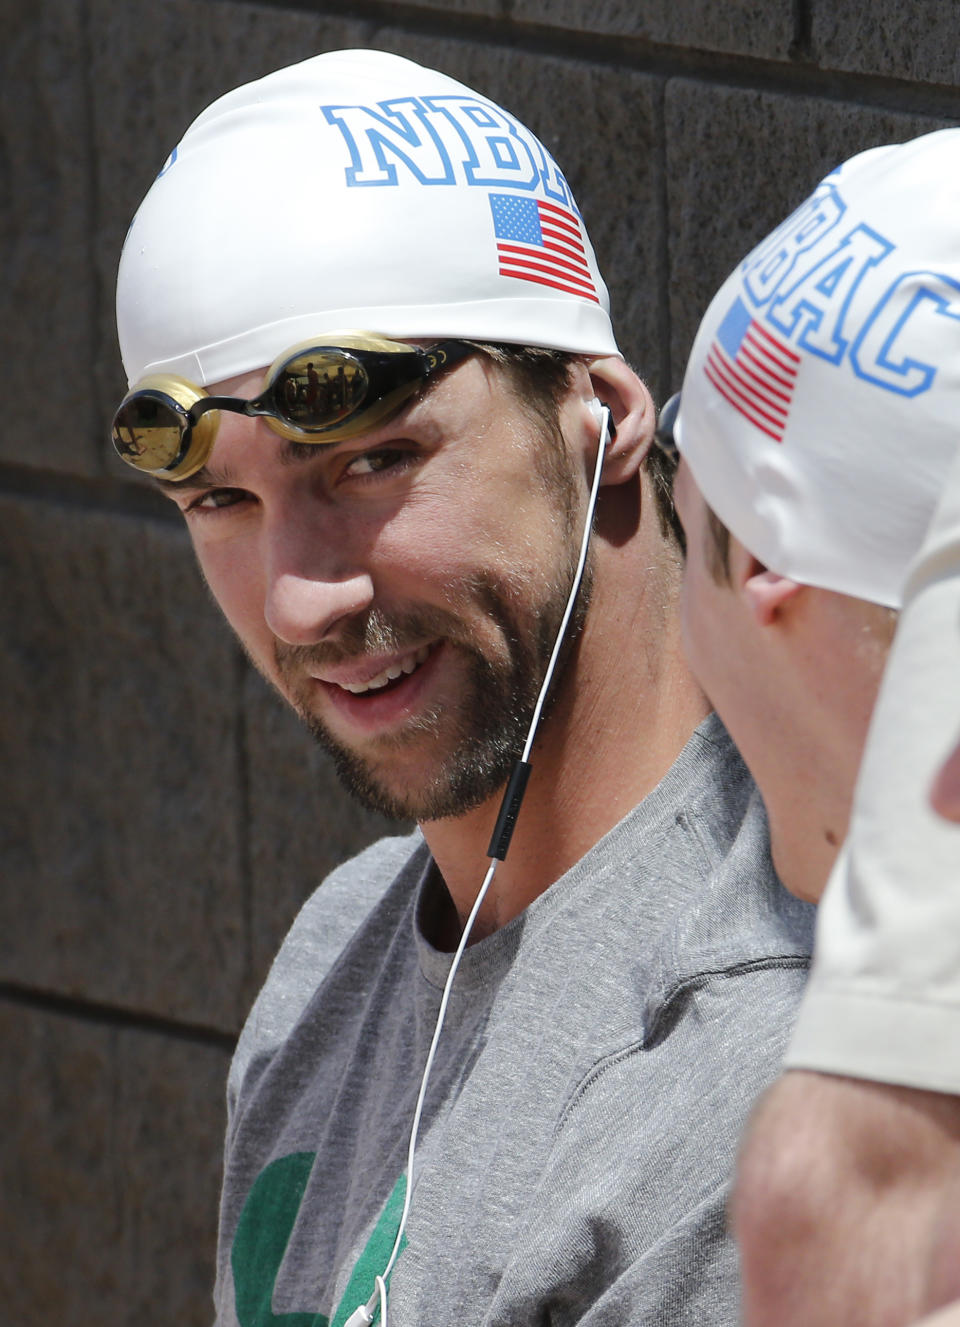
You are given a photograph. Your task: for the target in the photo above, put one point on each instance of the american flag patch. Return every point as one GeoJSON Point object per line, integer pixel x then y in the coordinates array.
{"type": "Point", "coordinates": [753, 370]}
{"type": "Point", "coordinates": [541, 242]}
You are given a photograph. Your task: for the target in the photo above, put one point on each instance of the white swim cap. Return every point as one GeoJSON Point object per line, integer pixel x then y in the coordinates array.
{"type": "Point", "coordinates": [820, 409]}
{"type": "Point", "coordinates": [354, 190]}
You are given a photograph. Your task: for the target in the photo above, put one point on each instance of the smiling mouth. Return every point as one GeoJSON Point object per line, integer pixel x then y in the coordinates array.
{"type": "Point", "coordinates": [402, 668]}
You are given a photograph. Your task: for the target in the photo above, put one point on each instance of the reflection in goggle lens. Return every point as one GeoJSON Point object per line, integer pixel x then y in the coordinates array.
{"type": "Point", "coordinates": [317, 393]}
{"type": "Point", "coordinates": [148, 432]}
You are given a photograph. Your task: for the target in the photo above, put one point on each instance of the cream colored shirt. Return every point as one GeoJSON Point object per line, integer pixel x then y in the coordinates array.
{"type": "Point", "coordinates": [883, 1000]}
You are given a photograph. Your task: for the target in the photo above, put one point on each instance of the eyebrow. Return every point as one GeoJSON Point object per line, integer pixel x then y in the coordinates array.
{"type": "Point", "coordinates": [289, 453]}
{"type": "Point", "coordinates": [295, 453]}
{"type": "Point", "coordinates": [202, 478]}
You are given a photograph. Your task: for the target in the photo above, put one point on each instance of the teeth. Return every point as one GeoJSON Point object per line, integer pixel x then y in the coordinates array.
{"type": "Point", "coordinates": [405, 665]}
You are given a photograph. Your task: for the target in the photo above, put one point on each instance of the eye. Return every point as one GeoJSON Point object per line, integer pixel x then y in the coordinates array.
{"type": "Point", "coordinates": [379, 461]}
{"type": "Point", "coordinates": [216, 499]}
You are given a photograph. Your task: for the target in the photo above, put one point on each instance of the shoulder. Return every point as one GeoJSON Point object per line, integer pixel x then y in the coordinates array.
{"type": "Point", "coordinates": [653, 1127]}
{"type": "Point", "coordinates": [715, 952]}
{"type": "Point", "coordinates": [326, 923]}
{"type": "Point", "coordinates": [738, 916]}
{"type": "Point", "coordinates": [732, 965]}
{"type": "Point", "coordinates": [696, 856]}
{"type": "Point", "coordinates": [338, 906]}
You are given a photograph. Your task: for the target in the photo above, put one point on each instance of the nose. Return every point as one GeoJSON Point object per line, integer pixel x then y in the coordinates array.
{"type": "Point", "coordinates": [310, 585]}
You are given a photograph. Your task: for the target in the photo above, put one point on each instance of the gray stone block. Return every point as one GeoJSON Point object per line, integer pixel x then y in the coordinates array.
{"type": "Point", "coordinates": [742, 27]}
{"type": "Point", "coordinates": [155, 66]}
{"type": "Point", "coordinates": [301, 822]}
{"type": "Point", "coordinates": [737, 164]}
{"type": "Point", "coordinates": [487, 8]}
{"type": "Point", "coordinates": [55, 1090]}
{"type": "Point", "coordinates": [119, 763]}
{"type": "Point", "coordinates": [47, 283]}
{"type": "Point", "coordinates": [919, 41]}
{"type": "Point", "coordinates": [599, 124]}
{"type": "Point", "coordinates": [110, 1153]}
{"type": "Point", "coordinates": [169, 1120]}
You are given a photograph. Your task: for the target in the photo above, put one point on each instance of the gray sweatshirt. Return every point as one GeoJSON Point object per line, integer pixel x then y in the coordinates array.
{"type": "Point", "coordinates": [598, 1060]}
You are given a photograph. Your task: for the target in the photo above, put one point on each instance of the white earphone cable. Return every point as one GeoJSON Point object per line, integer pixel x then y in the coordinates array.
{"type": "Point", "coordinates": [363, 1315]}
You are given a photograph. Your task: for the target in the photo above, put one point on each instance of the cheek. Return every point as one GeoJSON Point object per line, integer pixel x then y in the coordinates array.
{"type": "Point", "coordinates": [237, 584]}
{"type": "Point", "coordinates": [708, 631]}
{"type": "Point", "coordinates": [692, 590]}
{"type": "Point", "coordinates": [693, 610]}
{"type": "Point", "coordinates": [488, 532]}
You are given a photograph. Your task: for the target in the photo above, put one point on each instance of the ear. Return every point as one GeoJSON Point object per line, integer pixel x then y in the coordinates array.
{"type": "Point", "coordinates": [617, 386]}
{"type": "Point", "coordinates": [767, 594]}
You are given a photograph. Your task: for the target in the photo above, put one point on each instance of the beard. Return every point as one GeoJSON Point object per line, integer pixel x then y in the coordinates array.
{"type": "Point", "coordinates": [467, 747]}
{"type": "Point", "coordinates": [470, 746]}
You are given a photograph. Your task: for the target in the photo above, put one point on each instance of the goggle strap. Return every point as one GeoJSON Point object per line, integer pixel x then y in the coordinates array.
{"type": "Point", "coordinates": [233, 403]}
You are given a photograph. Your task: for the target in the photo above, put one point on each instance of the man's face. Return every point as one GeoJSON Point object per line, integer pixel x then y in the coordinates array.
{"type": "Point", "coordinates": [741, 677]}
{"type": "Point", "coordinates": [401, 590]}
{"type": "Point", "coordinates": [793, 671]}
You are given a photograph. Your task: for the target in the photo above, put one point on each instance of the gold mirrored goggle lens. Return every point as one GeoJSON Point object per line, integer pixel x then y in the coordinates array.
{"type": "Point", "coordinates": [154, 430]}
{"type": "Point", "coordinates": [320, 394]}
{"type": "Point", "coordinates": [317, 390]}
{"type": "Point", "coordinates": [315, 393]}
{"type": "Point", "coordinates": [148, 432]}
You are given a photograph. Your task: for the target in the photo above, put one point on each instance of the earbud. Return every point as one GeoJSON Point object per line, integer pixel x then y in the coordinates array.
{"type": "Point", "coordinates": [598, 409]}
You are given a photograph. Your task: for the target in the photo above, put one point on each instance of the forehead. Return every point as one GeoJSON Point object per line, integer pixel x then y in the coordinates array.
{"type": "Point", "coordinates": [242, 384]}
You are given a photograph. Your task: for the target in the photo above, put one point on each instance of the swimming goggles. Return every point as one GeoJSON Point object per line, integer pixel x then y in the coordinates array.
{"type": "Point", "coordinates": [313, 393]}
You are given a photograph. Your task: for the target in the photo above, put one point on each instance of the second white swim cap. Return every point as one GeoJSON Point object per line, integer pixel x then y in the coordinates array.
{"type": "Point", "coordinates": [820, 406]}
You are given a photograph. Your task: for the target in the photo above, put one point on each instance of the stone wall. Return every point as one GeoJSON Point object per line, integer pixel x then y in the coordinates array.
{"type": "Point", "coordinates": [161, 817]}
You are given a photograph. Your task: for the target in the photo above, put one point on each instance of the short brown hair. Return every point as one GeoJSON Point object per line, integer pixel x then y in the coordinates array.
{"type": "Point", "coordinates": [879, 620]}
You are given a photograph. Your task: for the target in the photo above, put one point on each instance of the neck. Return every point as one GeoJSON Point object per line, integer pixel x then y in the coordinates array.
{"type": "Point", "coordinates": [625, 707]}
{"type": "Point", "coordinates": [815, 716]}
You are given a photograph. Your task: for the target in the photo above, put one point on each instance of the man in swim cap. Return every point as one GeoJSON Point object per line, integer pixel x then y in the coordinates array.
{"type": "Point", "coordinates": [371, 360]}
{"type": "Point", "coordinates": [817, 427]}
